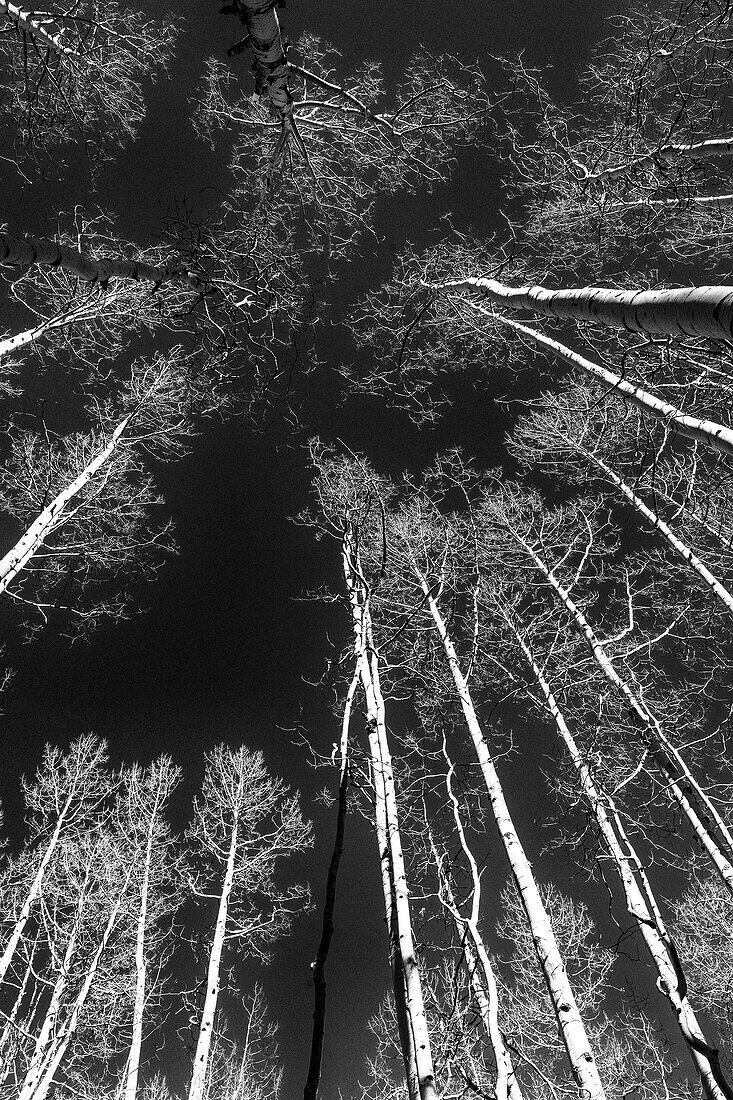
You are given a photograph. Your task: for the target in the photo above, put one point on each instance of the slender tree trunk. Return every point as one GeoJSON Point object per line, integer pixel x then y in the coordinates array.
{"type": "Point", "coordinates": [11, 1020]}
{"type": "Point", "coordinates": [31, 542]}
{"type": "Point", "coordinates": [572, 1029]}
{"type": "Point", "coordinates": [213, 980]}
{"type": "Point", "coordinates": [680, 548]}
{"type": "Point", "coordinates": [684, 202]}
{"type": "Point", "coordinates": [83, 311]}
{"type": "Point", "coordinates": [672, 983]}
{"type": "Point", "coordinates": [47, 1033]}
{"type": "Point", "coordinates": [318, 967]}
{"type": "Point", "coordinates": [56, 1053]}
{"type": "Point", "coordinates": [34, 24]}
{"type": "Point", "coordinates": [477, 957]}
{"type": "Point", "coordinates": [132, 1068]}
{"type": "Point", "coordinates": [33, 893]}
{"type": "Point", "coordinates": [706, 147]}
{"type": "Point", "coordinates": [667, 758]}
{"type": "Point", "coordinates": [690, 311]}
{"type": "Point", "coordinates": [708, 432]}
{"type": "Point", "coordinates": [23, 252]}
{"type": "Point", "coordinates": [384, 776]}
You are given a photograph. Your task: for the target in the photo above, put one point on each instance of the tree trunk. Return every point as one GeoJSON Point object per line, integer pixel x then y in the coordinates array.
{"type": "Point", "coordinates": [318, 967]}
{"type": "Point", "coordinates": [31, 542]}
{"type": "Point", "coordinates": [680, 548]}
{"type": "Point", "coordinates": [475, 956]}
{"type": "Point", "coordinates": [132, 1067]}
{"type": "Point", "coordinates": [32, 23]}
{"type": "Point", "coordinates": [672, 983]}
{"type": "Point", "coordinates": [57, 1051]}
{"type": "Point", "coordinates": [707, 147]}
{"type": "Point", "coordinates": [666, 756]}
{"type": "Point", "coordinates": [213, 979]}
{"type": "Point", "coordinates": [689, 311]}
{"type": "Point", "coordinates": [572, 1029]}
{"type": "Point", "coordinates": [708, 432]}
{"type": "Point", "coordinates": [264, 39]}
{"type": "Point", "coordinates": [25, 251]}
{"type": "Point", "coordinates": [383, 776]}
{"type": "Point", "coordinates": [33, 892]}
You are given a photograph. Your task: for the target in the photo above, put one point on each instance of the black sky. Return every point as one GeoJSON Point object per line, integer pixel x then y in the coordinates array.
{"type": "Point", "coordinates": [226, 641]}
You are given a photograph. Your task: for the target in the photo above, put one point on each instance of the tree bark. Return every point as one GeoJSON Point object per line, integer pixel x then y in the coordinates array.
{"type": "Point", "coordinates": [264, 39]}
{"type": "Point", "coordinates": [672, 983]}
{"type": "Point", "coordinates": [384, 777]}
{"type": "Point", "coordinates": [213, 979]}
{"type": "Point", "coordinates": [31, 542]}
{"type": "Point", "coordinates": [23, 252]}
{"type": "Point", "coordinates": [667, 758]}
{"type": "Point", "coordinates": [708, 432]}
{"type": "Point", "coordinates": [571, 1026]}
{"type": "Point", "coordinates": [689, 311]}
{"type": "Point", "coordinates": [319, 965]}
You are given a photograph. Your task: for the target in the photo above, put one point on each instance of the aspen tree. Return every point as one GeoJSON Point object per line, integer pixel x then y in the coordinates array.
{"type": "Point", "coordinates": [66, 796]}
{"type": "Point", "coordinates": [94, 491]}
{"type": "Point", "coordinates": [344, 505]}
{"type": "Point", "coordinates": [318, 966]}
{"type": "Point", "coordinates": [86, 901]}
{"type": "Point", "coordinates": [244, 824]}
{"type": "Point", "coordinates": [477, 960]}
{"type": "Point", "coordinates": [563, 999]}
{"type": "Point", "coordinates": [568, 426]}
{"type": "Point", "coordinates": [144, 798]}
{"type": "Point", "coordinates": [388, 829]}
{"type": "Point", "coordinates": [532, 530]}
{"type": "Point", "coordinates": [77, 74]}
{"type": "Point", "coordinates": [640, 901]}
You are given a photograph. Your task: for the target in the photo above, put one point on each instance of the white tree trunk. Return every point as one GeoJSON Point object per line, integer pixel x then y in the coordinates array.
{"type": "Point", "coordinates": [651, 926]}
{"type": "Point", "coordinates": [83, 311]}
{"type": "Point", "coordinates": [57, 1050]}
{"type": "Point", "coordinates": [708, 432]}
{"type": "Point", "coordinates": [197, 1087]}
{"type": "Point", "coordinates": [707, 147]}
{"type": "Point", "coordinates": [33, 892]}
{"type": "Point", "coordinates": [132, 1068]}
{"type": "Point", "coordinates": [572, 1029]}
{"type": "Point", "coordinates": [476, 955]}
{"type": "Point", "coordinates": [381, 761]}
{"type": "Point", "coordinates": [689, 311]}
{"type": "Point", "coordinates": [52, 515]}
{"type": "Point", "coordinates": [666, 757]}
{"type": "Point", "coordinates": [33, 24]}
{"type": "Point", "coordinates": [682, 549]}
{"type": "Point", "coordinates": [23, 252]}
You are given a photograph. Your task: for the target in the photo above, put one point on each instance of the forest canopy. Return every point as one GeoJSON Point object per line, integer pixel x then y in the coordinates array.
{"type": "Point", "coordinates": [366, 577]}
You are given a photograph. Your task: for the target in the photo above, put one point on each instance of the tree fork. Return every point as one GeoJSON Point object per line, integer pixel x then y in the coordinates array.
{"type": "Point", "coordinates": [264, 39]}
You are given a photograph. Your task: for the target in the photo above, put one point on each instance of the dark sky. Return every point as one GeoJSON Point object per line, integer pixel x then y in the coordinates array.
{"type": "Point", "coordinates": [225, 642]}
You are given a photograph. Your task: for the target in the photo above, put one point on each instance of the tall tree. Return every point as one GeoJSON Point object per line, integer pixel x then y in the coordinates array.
{"type": "Point", "coordinates": [244, 824]}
